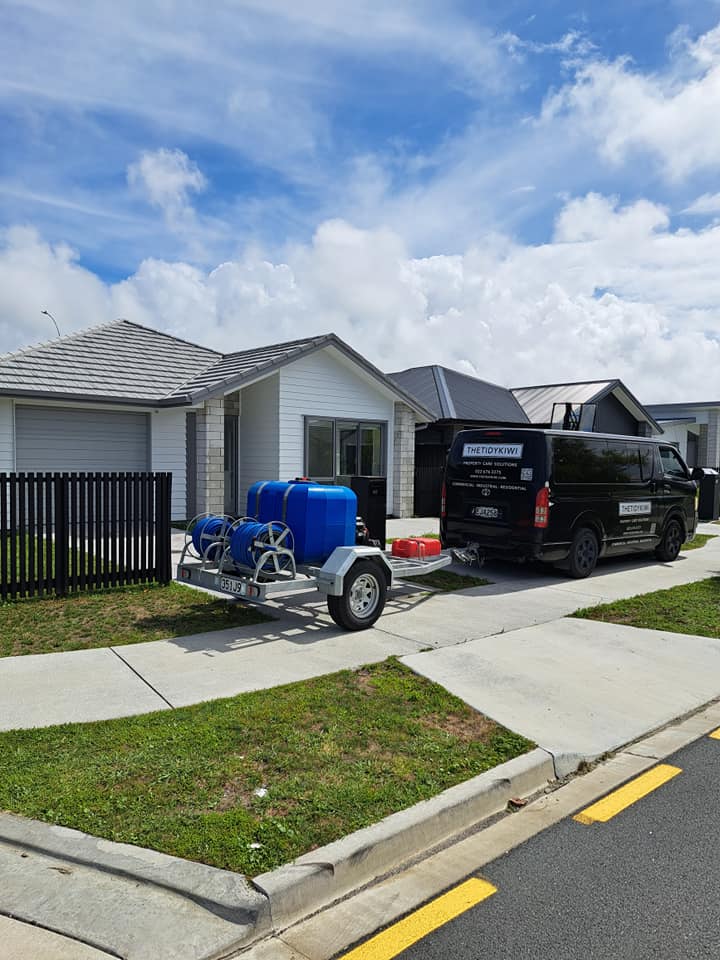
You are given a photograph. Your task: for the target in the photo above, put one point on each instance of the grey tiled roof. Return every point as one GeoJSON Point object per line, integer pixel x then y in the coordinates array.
{"type": "Point", "coordinates": [119, 360]}
{"type": "Point", "coordinates": [233, 367]}
{"type": "Point", "coordinates": [451, 395]}
{"type": "Point", "coordinates": [128, 363]}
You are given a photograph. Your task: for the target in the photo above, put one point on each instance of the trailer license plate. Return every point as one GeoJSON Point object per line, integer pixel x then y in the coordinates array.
{"type": "Point", "coordinates": [487, 513]}
{"type": "Point", "coordinates": [231, 586]}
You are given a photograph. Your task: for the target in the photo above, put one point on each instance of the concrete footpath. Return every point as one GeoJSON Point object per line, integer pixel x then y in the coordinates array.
{"type": "Point", "coordinates": [302, 642]}
{"type": "Point", "coordinates": [577, 688]}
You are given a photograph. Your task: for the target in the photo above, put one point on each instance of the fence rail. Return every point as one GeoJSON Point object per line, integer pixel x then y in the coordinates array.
{"type": "Point", "coordinates": [68, 532]}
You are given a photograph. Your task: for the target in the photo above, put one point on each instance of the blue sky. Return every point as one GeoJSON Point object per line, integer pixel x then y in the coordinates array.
{"type": "Point", "coordinates": [509, 189]}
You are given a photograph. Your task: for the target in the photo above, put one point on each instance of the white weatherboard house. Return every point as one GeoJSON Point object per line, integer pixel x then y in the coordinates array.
{"type": "Point", "coordinates": [123, 397]}
{"type": "Point", "coordinates": [694, 428]}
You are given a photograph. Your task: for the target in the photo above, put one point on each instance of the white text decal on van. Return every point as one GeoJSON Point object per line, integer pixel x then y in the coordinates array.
{"type": "Point", "coordinates": [494, 451]}
{"type": "Point", "coordinates": [638, 508]}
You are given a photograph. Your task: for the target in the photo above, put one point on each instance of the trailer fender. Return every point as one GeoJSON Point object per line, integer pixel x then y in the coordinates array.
{"type": "Point", "coordinates": [331, 576]}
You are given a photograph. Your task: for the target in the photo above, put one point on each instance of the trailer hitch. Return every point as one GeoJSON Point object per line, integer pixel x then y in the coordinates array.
{"type": "Point", "coordinates": [469, 555]}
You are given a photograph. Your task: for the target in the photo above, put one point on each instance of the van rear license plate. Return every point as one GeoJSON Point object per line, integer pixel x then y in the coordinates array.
{"type": "Point", "coordinates": [487, 513]}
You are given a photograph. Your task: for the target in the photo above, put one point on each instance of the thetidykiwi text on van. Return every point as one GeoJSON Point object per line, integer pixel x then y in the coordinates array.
{"type": "Point", "coordinates": [565, 497]}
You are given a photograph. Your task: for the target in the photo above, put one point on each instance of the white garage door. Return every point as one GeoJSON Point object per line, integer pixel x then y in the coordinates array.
{"type": "Point", "coordinates": [67, 439]}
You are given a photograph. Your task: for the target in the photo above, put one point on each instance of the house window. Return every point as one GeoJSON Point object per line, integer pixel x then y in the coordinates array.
{"type": "Point", "coordinates": [319, 447]}
{"type": "Point", "coordinates": [343, 448]}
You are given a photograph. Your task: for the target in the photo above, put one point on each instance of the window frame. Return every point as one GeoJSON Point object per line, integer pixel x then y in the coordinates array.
{"type": "Point", "coordinates": [345, 421]}
{"type": "Point", "coordinates": [677, 455]}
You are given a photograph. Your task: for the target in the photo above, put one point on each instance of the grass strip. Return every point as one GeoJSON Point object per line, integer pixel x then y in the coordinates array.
{"type": "Point", "coordinates": [699, 540]}
{"type": "Point", "coordinates": [427, 536]}
{"type": "Point", "coordinates": [251, 782]}
{"type": "Point", "coordinates": [131, 614]}
{"type": "Point", "coordinates": [446, 581]}
{"type": "Point", "coordinates": [691, 608]}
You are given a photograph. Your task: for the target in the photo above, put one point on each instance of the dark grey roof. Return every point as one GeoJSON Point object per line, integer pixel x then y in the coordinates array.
{"type": "Point", "coordinates": [451, 395]}
{"type": "Point", "coordinates": [538, 401]}
{"type": "Point", "coordinates": [116, 361]}
{"type": "Point", "coordinates": [126, 362]}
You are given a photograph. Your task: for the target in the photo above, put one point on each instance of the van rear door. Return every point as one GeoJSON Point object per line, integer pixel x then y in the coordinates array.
{"type": "Point", "coordinates": [491, 482]}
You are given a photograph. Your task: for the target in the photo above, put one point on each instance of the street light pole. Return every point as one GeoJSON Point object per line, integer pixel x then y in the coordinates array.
{"type": "Point", "coordinates": [48, 314]}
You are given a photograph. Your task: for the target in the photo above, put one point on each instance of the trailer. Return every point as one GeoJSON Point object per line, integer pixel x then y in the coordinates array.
{"type": "Point", "coordinates": [355, 579]}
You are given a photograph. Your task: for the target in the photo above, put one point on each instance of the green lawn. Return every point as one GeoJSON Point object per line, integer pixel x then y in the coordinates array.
{"type": "Point", "coordinates": [699, 540]}
{"type": "Point", "coordinates": [431, 536]}
{"type": "Point", "coordinates": [446, 581]}
{"type": "Point", "coordinates": [692, 608]}
{"type": "Point", "coordinates": [334, 754]}
{"type": "Point", "coordinates": [116, 616]}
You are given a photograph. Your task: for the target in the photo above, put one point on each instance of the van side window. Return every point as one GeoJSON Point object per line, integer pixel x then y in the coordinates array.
{"type": "Point", "coordinates": [672, 464]}
{"type": "Point", "coordinates": [623, 462]}
{"type": "Point", "coordinates": [578, 460]}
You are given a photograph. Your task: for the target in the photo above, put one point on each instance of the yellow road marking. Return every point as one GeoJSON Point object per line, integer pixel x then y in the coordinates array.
{"type": "Point", "coordinates": [715, 734]}
{"type": "Point", "coordinates": [406, 932]}
{"type": "Point", "coordinates": [618, 800]}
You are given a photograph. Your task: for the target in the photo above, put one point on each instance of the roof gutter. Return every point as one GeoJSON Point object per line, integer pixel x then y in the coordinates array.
{"type": "Point", "coordinates": [180, 401]}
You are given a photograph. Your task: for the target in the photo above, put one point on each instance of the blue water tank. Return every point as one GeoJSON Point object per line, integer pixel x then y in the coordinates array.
{"type": "Point", "coordinates": [320, 517]}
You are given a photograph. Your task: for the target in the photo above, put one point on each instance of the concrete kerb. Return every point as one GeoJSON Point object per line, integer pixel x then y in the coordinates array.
{"type": "Point", "coordinates": [330, 932]}
{"type": "Point", "coordinates": [319, 878]}
{"type": "Point", "coordinates": [139, 904]}
{"type": "Point", "coordinates": [129, 901]}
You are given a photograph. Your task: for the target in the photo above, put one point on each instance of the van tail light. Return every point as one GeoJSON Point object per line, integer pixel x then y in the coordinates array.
{"type": "Point", "coordinates": [443, 499]}
{"type": "Point", "coordinates": [542, 508]}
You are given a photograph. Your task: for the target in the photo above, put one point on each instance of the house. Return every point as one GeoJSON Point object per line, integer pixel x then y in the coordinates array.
{"type": "Point", "coordinates": [459, 401]}
{"type": "Point", "coordinates": [694, 428]}
{"type": "Point", "coordinates": [123, 397]}
{"type": "Point", "coordinates": [602, 406]}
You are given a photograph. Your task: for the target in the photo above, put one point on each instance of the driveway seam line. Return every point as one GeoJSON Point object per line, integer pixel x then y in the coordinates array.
{"type": "Point", "coordinates": [141, 677]}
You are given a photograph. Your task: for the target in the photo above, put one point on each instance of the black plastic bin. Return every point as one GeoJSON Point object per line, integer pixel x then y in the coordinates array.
{"type": "Point", "coordinates": [708, 482]}
{"type": "Point", "coordinates": [372, 503]}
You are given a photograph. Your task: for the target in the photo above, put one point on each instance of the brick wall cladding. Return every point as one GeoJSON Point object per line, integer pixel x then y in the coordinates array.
{"type": "Point", "coordinates": [211, 457]}
{"type": "Point", "coordinates": [404, 461]}
{"type": "Point", "coordinates": [713, 439]}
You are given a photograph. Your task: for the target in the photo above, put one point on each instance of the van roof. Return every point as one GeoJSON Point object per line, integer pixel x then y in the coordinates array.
{"type": "Point", "coordinates": [586, 434]}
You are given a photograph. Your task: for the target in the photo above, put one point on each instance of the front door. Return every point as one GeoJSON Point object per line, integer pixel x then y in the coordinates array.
{"type": "Point", "coordinates": [231, 464]}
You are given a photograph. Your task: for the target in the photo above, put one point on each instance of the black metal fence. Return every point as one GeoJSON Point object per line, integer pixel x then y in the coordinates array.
{"type": "Point", "coordinates": [66, 532]}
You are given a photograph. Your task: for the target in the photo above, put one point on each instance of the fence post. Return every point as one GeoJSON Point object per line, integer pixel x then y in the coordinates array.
{"type": "Point", "coordinates": [62, 544]}
{"type": "Point", "coordinates": [163, 550]}
{"type": "Point", "coordinates": [6, 544]}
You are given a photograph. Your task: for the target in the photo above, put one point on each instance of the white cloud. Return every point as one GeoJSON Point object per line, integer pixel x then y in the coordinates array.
{"type": "Point", "coordinates": [707, 204]}
{"type": "Point", "coordinates": [671, 115]}
{"type": "Point", "coordinates": [166, 178]}
{"type": "Point", "coordinates": [616, 293]}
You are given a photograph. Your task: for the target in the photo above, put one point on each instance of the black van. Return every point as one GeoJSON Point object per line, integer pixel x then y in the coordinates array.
{"type": "Point", "coordinates": [565, 497]}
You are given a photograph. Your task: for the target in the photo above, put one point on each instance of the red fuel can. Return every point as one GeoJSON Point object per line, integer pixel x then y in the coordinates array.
{"type": "Point", "coordinates": [416, 547]}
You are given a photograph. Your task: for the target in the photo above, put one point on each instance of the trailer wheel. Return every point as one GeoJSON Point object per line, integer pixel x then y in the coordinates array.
{"type": "Point", "coordinates": [363, 597]}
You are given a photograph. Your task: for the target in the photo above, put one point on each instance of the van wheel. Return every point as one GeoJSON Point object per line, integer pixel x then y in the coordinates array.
{"type": "Point", "coordinates": [672, 539]}
{"type": "Point", "coordinates": [363, 597]}
{"type": "Point", "coordinates": [583, 553]}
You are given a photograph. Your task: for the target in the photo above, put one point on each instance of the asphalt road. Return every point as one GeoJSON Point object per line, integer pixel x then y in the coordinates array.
{"type": "Point", "coordinates": [644, 885]}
